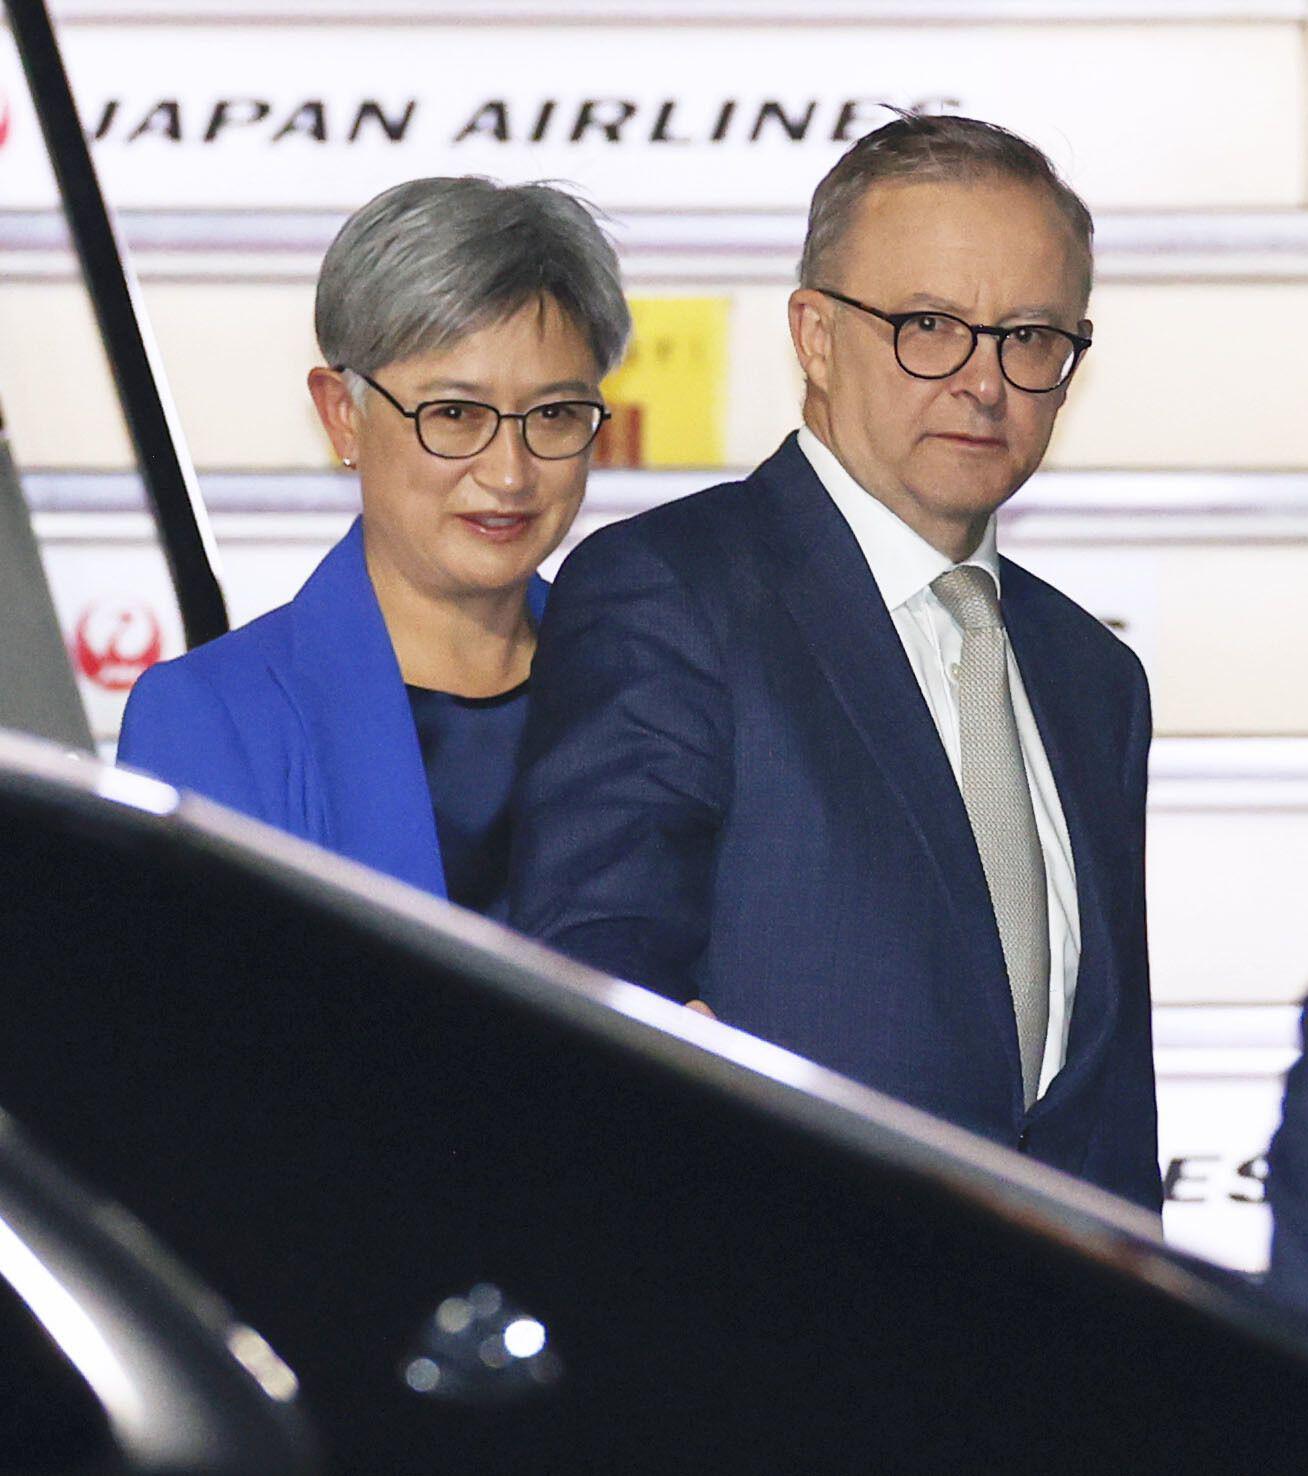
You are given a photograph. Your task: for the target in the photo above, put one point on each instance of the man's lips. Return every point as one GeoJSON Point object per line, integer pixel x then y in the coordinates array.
{"type": "Point", "coordinates": [962, 438]}
{"type": "Point", "coordinates": [498, 527]}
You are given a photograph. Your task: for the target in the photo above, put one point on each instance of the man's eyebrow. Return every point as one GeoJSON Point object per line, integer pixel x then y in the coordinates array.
{"type": "Point", "coordinates": [1023, 313]}
{"type": "Point", "coordinates": [932, 299]}
{"type": "Point", "coordinates": [1031, 313]}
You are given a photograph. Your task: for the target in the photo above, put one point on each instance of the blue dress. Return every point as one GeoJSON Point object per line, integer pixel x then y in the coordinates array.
{"type": "Point", "coordinates": [301, 720]}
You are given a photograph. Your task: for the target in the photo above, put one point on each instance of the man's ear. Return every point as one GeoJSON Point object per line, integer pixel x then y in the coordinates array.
{"type": "Point", "coordinates": [810, 332]}
{"type": "Point", "coordinates": [336, 409]}
{"type": "Point", "coordinates": [1086, 329]}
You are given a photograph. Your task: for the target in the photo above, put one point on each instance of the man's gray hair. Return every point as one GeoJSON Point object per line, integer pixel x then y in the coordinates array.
{"type": "Point", "coordinates": [432, 260]}
{"type": "Point", "coordinates": [931, 147]}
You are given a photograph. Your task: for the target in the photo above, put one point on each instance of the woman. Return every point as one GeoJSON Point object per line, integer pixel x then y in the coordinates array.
{"type": "Point", "coordinates": [468, 326]}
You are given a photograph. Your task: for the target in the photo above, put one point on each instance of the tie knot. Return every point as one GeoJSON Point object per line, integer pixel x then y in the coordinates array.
{"type": "Point", "coordinates": [970, 596]}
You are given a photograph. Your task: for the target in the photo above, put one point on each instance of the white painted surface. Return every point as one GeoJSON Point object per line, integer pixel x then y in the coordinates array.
{"type": "Point", "coordinates": [249, 97]}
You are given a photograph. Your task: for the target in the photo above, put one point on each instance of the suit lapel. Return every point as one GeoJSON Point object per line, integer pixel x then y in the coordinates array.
{"type": "Point", "coordinates": [833, 597]}
{"type": "Point", "coordinates": [1052, 678]}
{"type": "Point", "coordinates": [355, 710]}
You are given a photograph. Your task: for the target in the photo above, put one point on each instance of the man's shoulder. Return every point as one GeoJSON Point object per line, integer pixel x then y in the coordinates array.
{"type": "Point", "coordinates": [1061, 620]}
{"type": "Point", "coordinates": [704, 535]}
{"type": "Point", "coordinates": [673, 525]}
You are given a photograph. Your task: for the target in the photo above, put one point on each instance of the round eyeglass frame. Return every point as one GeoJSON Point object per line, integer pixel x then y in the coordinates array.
{"type": "Point", "coordinates": [1001, 335]}
{"type": "Point", "coordinates": [500, 417]}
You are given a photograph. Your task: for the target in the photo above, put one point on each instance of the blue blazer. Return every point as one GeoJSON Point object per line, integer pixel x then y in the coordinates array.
{"type": "Point", "coordinates": [731, 787]}
{"type": "Point", "coordinates": [301, 719]}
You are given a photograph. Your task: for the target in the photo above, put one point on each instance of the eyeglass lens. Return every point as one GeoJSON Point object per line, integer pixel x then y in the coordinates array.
{"type": "Point", "coordinates": [552, 432]}
{"type": "Point", "coordinates": [934, 346]}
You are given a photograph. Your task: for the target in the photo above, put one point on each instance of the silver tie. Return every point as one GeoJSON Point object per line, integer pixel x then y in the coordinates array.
{"type": "Point", "coordinates": [998, 803]}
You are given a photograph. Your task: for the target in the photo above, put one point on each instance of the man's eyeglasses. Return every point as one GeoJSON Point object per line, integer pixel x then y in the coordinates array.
{"type": "Point", "coordinates": [456, 429]}
{"type": "Point", "coordinates": [1032, 356]}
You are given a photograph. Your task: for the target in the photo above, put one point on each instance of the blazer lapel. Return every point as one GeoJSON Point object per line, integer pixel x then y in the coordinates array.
{"type": "Point", "coordinates": [832, 595]}
{"type": "Point", "coordinates": [360, 726]}
{"type": "Point", "coordinates": [1057, 701]}
{"type": "Point", "coordinates": [538, 591]}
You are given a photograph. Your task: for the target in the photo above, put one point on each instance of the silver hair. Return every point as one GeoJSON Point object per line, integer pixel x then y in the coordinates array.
{"type": "Point", "coordinates": [926, 147]}
{"type": "Point", "coordinates": [431, 260]}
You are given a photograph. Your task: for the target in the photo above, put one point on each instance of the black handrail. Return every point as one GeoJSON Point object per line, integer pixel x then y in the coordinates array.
{"type": "Point", "coordinates": [165, 465]}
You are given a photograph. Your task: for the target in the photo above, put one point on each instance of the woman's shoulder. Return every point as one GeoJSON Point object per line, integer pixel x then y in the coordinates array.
{"type": "Point", "coordinates": [219, 721]}
{"type": "Point", "coordinates": [249, 654]}
{"type": "Point", "coordinates": [234, 684]}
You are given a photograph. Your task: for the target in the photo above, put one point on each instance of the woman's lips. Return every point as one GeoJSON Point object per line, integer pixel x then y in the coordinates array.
{"type": "Point", "coordinates": [498, 527]}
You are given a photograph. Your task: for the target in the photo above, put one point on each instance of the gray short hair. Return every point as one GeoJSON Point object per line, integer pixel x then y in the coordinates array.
{"type": "Point", "coordinates": [431, 260]}
{"type": "Point", "coordinates": [926, 147]}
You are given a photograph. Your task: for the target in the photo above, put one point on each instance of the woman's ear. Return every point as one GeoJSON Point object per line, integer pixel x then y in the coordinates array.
{"type": "Point", "coordinates": [337, 411]}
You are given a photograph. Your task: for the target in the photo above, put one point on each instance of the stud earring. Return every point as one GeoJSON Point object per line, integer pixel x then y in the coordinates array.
{"type": "Point", "coordinates": [345, 461]}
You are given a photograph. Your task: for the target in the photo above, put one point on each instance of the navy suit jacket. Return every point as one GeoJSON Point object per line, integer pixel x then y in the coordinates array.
{"type": "Point", "coordinates": [732, 789]}
{"type": "Point", "coordinates": [301, 719]}
{"type": "Point", "coordinates": [1287, 1190]}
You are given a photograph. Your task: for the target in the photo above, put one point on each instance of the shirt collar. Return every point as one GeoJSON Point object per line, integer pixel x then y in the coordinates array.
{"type": "Point", "coordinates": [902, 562]}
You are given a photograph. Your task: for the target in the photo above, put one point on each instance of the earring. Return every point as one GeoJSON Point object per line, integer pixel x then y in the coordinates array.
{"type": "Point", "coordinates": [345, 461]}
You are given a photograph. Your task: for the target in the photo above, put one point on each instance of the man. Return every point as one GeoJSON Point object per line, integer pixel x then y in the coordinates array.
{"type": "Point", "coordinates": [804, 748]}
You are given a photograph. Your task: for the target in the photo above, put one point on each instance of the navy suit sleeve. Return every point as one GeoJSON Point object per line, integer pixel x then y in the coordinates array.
{"type": "Point", "coordinates": [1136, 1091]}
{"type": "Point", "coordinates": [626, 768]}
{"type": "Point", "coordinates": [177, 727]}
{"type": "Point", "coordinates": [1287, 1192]}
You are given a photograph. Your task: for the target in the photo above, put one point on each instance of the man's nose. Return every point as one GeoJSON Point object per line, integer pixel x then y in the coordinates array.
{"type": "Point", "coordinates": [505, 466]}
{"type": "Point", "coordinates": [981, 377]}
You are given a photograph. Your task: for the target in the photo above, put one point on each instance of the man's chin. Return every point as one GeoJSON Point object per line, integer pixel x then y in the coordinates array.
{"type": "Point", "coordinates": [970, 502]}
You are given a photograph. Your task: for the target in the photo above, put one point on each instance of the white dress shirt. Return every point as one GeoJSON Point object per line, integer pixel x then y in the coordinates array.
{"type": "Point", "coordinates": [904, 565]}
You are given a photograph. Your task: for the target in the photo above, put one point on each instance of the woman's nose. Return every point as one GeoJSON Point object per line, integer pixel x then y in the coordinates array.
{"type": "Point", "coordinates": [506, 465]}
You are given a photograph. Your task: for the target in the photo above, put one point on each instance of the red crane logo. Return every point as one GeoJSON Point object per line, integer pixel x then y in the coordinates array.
{"type": "Point", "coordinates": [114, 641]}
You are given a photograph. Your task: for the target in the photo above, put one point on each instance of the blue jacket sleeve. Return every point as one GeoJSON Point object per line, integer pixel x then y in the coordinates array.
{"type": "Point", "coordinates": [626, 769]}
{"type": "Point", "coordinates": [177, 727]}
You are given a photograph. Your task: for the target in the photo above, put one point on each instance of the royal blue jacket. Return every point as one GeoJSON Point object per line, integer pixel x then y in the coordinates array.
{"type": "Point", "coordinates": [301, 719]}
{"type": "Point", "coordinates": [732, 789]}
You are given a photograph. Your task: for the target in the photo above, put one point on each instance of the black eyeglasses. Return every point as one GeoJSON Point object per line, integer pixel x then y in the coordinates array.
{"type": "Point", "coordinates": [1032, 356]}
{"type": "Point", "coordinates": [457, 429]}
